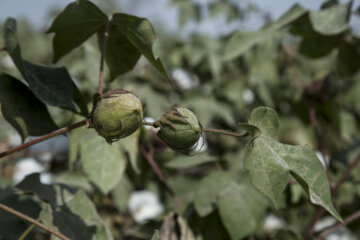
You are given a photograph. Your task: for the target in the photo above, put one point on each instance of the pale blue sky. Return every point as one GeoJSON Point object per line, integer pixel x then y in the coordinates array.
{"type": "Point", "coordinates": [155, 10]}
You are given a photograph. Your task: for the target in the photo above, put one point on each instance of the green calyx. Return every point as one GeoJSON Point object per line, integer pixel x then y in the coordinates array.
{"type": "Point", "coordinates": [116, 114]}
{"type": "Point", "coordinates": [180, 129]}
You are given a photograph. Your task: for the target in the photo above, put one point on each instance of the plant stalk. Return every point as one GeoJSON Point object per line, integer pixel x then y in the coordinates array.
{"type": "Point", "coordinates": [218, 131]}
{"type": "Point", "coordinates": [332, 229]}
{"type": "Point", "coordinates": [45, 137]}
{"type": "Point", "coordinates": [149, 158]}
{"type": "Point", "coordinates": [103, 51]}
{"type": "Point", "coordinates": [33, 221]}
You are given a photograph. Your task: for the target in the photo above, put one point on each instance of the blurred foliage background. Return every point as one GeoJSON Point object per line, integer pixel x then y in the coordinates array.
{"type": "Point", "coordinates": [306, 67]}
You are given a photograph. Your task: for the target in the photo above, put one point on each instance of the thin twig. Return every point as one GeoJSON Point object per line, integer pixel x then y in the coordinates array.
{"type": "Point", "coordinates": [332, 229]}
{"type": "Point", "coordinates": [149, 158]}
{"type": "Point", "coordinates": [33, 221]}
{"type": "Point", "coordinates": [27, 231]}
{"type": "Point", "coordinates": [311, 227]}
{"type": "Point", "coordinates": [290, 59]}
{"type": "Point", "coordinates": [149, 123]}
{"type": "Point", "coordinates": [314, 124]}
{"type": "Point", "coordinates": [45, 137]}
{"type": "Point", "coordinates": [346, 174]}
{"type": "Point", "coordinates": [210, 130]}
{"type": "Point", "coordinates": [335, 187]}
{"type": "Point", "coordinates": [103, 51]}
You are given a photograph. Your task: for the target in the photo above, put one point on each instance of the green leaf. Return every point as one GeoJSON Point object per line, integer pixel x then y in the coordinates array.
{"type": "Point", "coordinates": [294, 13]}
{"type": "Point", "coordinates": [266, 119]}
{"type": "Point", "coordinates": [121, 193]}
{"type": "Point", "coordinates": [270, 164]}
{"type": "Point", "coordinates": [241, 208]}
{"type": "Point", "coordinates": [240, 42]}
{"type": "Point", "coordinates": [53, 86]}
{"type": "Point", "coordinates": [11, 226]}
{"type": "Point", "coordinates": [104, 164]}
{"type": "Point", "coordinates": [188, 9]}
{"type": "Point", "coordinates": [120, 55]}
{"type": "Point", "coordinates": [208, 191]}
{"type": "Point", "coordinates": [23, 110]}
{"type": "Point", "coordinates": [77, 219]}
{"type": "Point", "coordinates": [333, 20]}
{"type": "Point", "coordinates": [129, 146]}
{"type": "Point", "coordinates": [182, 162]}
{"type": "Point", "coordinates": [141, 34]}
{"type": "Point", "coordinates": [76, 23]}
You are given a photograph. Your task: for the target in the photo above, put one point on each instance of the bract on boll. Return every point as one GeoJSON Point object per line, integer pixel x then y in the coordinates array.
{"type": "Point", "coordinates": [117, 114]}
{"type": "Point", "coordinates": [180, 129]}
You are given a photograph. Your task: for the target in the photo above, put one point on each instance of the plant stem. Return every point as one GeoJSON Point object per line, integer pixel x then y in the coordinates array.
{"type": "Point", "coordinates": [332, 229]}
{"type": "Point", "coordinates": [27, 231]}
{"type": "Point", "coordinates": [210, 130]}
{"type": "Point", "coordinates": [317, 217]}
{"type": "Point", "coordinates": [149, 158]}
{"type": "Point", "coordinates": [45, 137]}
{"type": "Point", "coordinates": [103, 50]}
{"type": "Point", "coordinates": [346, 174]}
{"type": "Point", "coordinates": [33, 221]}
{"type": "Point", "coordinates": [343, 177]}
{"type": "Point", "coordinates": [149, 123]}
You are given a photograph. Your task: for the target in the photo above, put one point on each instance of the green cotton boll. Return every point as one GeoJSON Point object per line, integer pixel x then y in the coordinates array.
{"type": "Point", "coordinates": [117, 114]}
{"type": "Point", "coordinates": [180, 129]}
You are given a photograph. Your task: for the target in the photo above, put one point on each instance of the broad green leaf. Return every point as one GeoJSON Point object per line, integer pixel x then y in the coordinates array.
{"type": "Point", "coordinates": [12, 45]}
{"type": "Point", "coordinates": [331, 21]}
{"type": "Point", "coordinates": [23, 110]}
{"type": "Point", "coordinates": [209, 190]}
{"type": "Point", "coordinates": [141, 34]}
{"type": "Point", "coordinates": [77, 219]}
{"type": "Point", "coordinates": [189, 10]}
{"type": "Point", "coordinates": [241, 208]}
{"type": "Point", "coordinates": [53, 86]}
{"type": "Point", "coordinates": [229, 9]}
{"type": "Point", "coordinates": [104, 164]}
{"type": "Point", "coordinates": [78, 137]}
{"type": "Point", "coordinates": [294, 13]}
{"type": "Point", "coordinates": [240, 42]}
{"type": "Point", "coordinates": [76, 23]}
{"type": "Point", "coordinates": [129, 146]}
{"type": "Point", "coordinates": [206, 108]}
{"type": "Point", "coordinates": [270, 164]}
{"type": "Point", "coordinates": [11, 226]}
{"type": "Point", "coordinates": [266, 119]}
{"type": "Point", "coordinates": [121, 193]}
{"type": "Point", "coordinates": [120, 55]}
{"type": "Point", "coordinates": [182, 162]}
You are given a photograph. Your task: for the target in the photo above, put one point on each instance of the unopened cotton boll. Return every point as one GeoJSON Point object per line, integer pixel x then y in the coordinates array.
{"type": "Point", "coordinates": [180, 129]}
{"type": "Point", "coordinates": [117, 114]}
{"type": "Point", "coordinates": [144, 205]}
